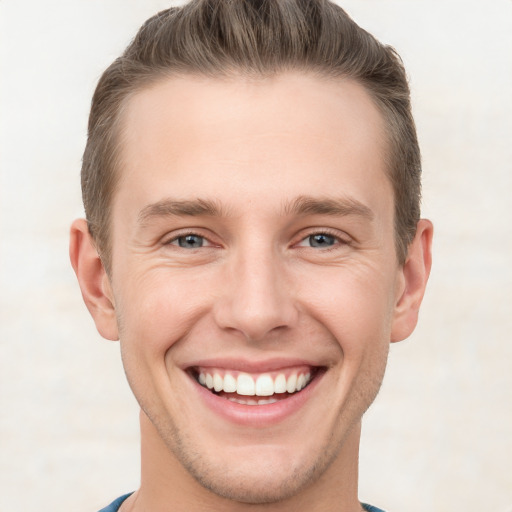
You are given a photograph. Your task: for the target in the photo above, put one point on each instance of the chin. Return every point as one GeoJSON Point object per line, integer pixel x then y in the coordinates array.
{"type": "Point", "coordinates": [256, 475]}
{"type": "Point", "coordinates": [254, 483]}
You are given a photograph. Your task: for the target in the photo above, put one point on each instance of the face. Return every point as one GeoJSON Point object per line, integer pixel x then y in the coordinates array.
{"type": "Point", "coordinates": [255, 278]}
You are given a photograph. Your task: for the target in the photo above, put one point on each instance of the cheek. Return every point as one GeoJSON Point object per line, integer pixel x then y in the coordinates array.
{"type": "Point", "coordinates": [154, 314]}
{"type": "Point", "coordinates": [356, 307]}
{"type": "Point", "coordinates": [157, 311]}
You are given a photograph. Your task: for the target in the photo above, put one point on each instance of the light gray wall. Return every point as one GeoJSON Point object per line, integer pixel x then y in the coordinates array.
{"type": "Point", "coordinates": [439, 437]}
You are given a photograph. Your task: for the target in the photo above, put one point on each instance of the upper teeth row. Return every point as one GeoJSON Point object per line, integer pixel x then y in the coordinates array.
{"type": "Point", "coordinates": [246, 384]}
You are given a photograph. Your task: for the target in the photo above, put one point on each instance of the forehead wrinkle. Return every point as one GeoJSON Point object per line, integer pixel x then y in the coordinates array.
{"type": "Point", "coordinates": [180, 208]}
{"type": "Point", "coordinates": [308, 205]}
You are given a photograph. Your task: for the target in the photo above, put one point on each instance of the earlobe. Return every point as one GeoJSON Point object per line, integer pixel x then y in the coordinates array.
{"type": "Point", "coordinates": [414, 277]}
{"type": "Point", "coordinates": [93, 280]}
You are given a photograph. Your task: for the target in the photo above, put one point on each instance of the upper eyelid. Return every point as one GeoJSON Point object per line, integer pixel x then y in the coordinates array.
{"type": "Point", "coordinates": [172, 237]}
{"type": "Point", "coordinates": [339, 235]}
{"type": "Point", "coordinates": [337, 242]}
{"type": "Point", "coordinates": [176, 237]}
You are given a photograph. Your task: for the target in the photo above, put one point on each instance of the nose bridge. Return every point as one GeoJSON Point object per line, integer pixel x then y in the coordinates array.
{"type": "Point", "coordinates": [256, 299]}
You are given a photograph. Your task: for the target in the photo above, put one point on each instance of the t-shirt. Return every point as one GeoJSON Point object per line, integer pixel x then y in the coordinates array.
{"type": "Point", "coordinates": [114, 506]}
{"type": "Point", "coordinates": [370, 508]}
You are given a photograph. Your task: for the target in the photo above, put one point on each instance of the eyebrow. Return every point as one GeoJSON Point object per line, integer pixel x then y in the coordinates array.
{"type": "Point", "coordinates": [302, 205]}
{"type": "Point", "coordinates": [307, 205]}
{"type": "Point", "coordinates": [172, 207]}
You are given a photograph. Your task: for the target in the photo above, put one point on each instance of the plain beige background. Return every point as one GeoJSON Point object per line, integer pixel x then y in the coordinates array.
{"type": "Point", "coordinates": [438, 438]}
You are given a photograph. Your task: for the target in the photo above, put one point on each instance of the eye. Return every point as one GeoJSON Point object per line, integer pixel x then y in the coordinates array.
{"type": "Point", "coordinates": [321, 240]}
{"type": "Point", "coordinates": [189, 241]}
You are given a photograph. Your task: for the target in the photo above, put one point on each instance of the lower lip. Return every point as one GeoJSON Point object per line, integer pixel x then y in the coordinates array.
{"type": "Point", "coordinates": [257, 415]}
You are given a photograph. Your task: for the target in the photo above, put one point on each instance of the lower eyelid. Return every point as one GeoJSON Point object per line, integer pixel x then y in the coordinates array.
{"type": "Point", "coordinates": [175, 239]}
{"type": "Point", "coordinates": [207, 241]}
{"type": "Point", "coordinates": [337, 240]}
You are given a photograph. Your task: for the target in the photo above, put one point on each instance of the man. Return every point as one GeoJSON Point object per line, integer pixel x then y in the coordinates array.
{"type": "Point", "coordinates": [251, 184]}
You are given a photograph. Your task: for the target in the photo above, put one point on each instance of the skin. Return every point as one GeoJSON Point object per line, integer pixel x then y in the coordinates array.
{"type": "Point", "coordinates": [259, 289]}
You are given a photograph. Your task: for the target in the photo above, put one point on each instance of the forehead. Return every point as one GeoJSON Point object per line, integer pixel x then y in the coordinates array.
{"type": "Point", "coordinates": [296, 133]}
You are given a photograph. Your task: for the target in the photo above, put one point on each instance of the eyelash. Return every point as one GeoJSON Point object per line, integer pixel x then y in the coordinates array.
{"type": "Point", "coordinates": [338, 240]}
{"type": "Point", "coordinates": [175, 239]}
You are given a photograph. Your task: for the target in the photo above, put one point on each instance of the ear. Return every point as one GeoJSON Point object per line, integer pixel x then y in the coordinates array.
{"type": "Point", "coordinates": [93, 280]}
{"type": "Point", "coordinates": [413, 280]}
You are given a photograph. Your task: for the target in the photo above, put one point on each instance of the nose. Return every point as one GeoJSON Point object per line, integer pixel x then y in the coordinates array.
{"type": "Point", "coordinates": [257, 298]}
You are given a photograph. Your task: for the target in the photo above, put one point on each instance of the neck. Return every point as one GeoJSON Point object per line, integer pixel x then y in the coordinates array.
{"type": "Point", "coordinates": [167, 486]}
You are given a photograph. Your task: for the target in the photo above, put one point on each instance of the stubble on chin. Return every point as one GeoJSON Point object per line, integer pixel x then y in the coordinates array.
{"type": "Point", "coordinates": [246, 482]}
{"type": "Point", "coordinates": [261, 482]}
{"type": "Point", "coordinates": [243, 481]}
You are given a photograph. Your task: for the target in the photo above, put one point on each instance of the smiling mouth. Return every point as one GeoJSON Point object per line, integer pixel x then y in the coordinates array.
{"type": "Point", "coordinates": [255, 389]}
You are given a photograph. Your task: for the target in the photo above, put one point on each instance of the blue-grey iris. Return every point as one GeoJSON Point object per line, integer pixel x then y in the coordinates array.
{"type": "Point", "coordinates": [190, 241]}
{"type": "Point", "coordinates": [322, 240]}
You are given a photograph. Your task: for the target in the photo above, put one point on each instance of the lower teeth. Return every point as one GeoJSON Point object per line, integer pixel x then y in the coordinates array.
{"type": "Point", "coordinates": [252, 401]}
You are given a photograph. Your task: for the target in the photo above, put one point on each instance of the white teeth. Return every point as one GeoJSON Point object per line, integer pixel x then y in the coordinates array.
{"type": "Point", "coordinates": [229, 383]}
{"type": "Point", "coordinates": [280, 384]}
{"type": "Point", "coordinates": [291, 383]}
{"type": "Point", "coordinates": [245, 384]}
{"type": "Point", "coordinates": [267, 401]}
{"type": "Point", "coordinates": [218, 382]}
{"type": "Point", "coordinates": [264, 385]}
{"type": "Point", "coordinates": [252, 401]}
{"type": "Point", "coordinates": [237, 400]}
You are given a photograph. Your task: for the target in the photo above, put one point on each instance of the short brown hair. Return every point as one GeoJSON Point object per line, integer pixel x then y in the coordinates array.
{"type": "Point", "coordinates": [263, 37]}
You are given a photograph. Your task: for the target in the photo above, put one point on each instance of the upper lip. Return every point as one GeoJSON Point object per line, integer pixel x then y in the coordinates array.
{"type": "Point", "coordinates": [250, 366]}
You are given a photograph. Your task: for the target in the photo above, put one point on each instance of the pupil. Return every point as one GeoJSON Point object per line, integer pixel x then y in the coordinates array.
{"type": "Point", "coordinates": [190, 241]}
{"type": "Point", "coordinates": [321, 240]}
